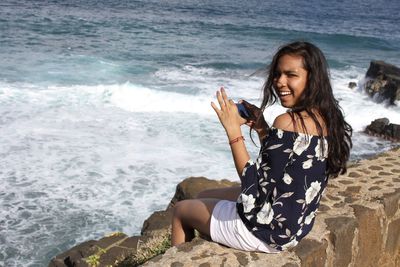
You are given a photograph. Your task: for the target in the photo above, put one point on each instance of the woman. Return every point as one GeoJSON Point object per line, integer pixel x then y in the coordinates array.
{"type": "Point", "coordinates": [275, 206]}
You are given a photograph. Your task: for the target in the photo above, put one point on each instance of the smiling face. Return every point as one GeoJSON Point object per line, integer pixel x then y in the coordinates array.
{"type": "Point", "coordinates": [290, 79]}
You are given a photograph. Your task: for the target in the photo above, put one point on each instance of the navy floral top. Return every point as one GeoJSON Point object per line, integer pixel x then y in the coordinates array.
{"type": "Point", "coordinates": [281, 191]}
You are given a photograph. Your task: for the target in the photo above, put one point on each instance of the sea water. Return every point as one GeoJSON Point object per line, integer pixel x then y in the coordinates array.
{"type": "Point", "coordinates": [105, 105]}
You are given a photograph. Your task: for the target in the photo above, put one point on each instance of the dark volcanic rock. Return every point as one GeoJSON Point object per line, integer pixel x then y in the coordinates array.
{"type": "Point", "coordinates": [393, 131]}
{"type": "Point", "coordinates": [75, 256]}
{"type": "Point", "coordinates": [383, 81]}
{"type": "Point", "coordinates": [352, 85]}
{"type": "Point", "coordinates": [378, 126]}
{"type": "Point", "coordinates": [379, 67]}
{"type": "Point", "coordinates": [382, 127]}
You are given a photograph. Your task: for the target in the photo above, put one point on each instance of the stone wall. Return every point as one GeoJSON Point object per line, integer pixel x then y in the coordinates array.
{"type": "Point", "coordinates": [358, 224]}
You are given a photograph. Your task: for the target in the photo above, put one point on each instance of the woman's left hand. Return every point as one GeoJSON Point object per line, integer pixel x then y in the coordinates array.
{"type": "Point", "coordinates": [228, 114]}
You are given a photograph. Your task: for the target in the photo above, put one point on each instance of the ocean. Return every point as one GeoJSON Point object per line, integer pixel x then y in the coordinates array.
{"type": "Point", "coordinates": [105, 105]}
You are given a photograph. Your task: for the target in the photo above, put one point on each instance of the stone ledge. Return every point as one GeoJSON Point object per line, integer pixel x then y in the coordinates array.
{"type": "Point", "coordinates": [357, 225]}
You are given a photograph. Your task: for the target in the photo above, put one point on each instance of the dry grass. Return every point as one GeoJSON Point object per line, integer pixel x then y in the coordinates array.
{"type": "Point", "coordinates": [152, 247]}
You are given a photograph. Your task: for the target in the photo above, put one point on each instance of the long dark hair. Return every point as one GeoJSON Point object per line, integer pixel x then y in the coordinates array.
{"type": "Point", "coordinates": [317, 96]}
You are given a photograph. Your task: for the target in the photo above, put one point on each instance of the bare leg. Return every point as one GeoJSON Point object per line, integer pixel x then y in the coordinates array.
{"type": "Point", "coordinates": [227, 193]}
{"type": "Point", "coordinates": [189, 215]}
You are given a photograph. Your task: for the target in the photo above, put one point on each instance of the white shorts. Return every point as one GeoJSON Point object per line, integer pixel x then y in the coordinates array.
{"type": "Point", "coordinates": [227, 228]}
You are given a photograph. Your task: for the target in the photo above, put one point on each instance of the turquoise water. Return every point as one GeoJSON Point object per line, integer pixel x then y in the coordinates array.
{"type": "Point", "coordinates": [105, 105]}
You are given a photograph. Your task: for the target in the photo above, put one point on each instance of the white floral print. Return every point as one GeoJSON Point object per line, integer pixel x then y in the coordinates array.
{"type": "Point", "coordinates": [291, 244]}
{"type": "Point", "coordinates": [249, 216]}
{"type": "Point", "coordinates": [307, 164]}
{"type": "Point", "coordinates": [299, 232]}
{"type": "Point", "coordinates": [300, 220]}
{"type": "Point", "coordinates": [274, 147]}
{"type": "Point", "coordinates": [320, 153]}
{"type": "Point", "coordinates": [258, 161]}
{"type": "Point", "coordinates": [312, 191]}
{"type": "Point", "coordinates": [287, 179]}
{"type": "Point", "coordinates": [266, 214]}
{"type": "Point", "coordinates": [301, 144]}
{"type": "Point", "coordinates": [249, 164]}
{"type": "Point", "coordinates": [309, 218]}
{"type": "Point", "coordinates": [279, 133]}
{"type": "Point", "coordinates": [248, 202]}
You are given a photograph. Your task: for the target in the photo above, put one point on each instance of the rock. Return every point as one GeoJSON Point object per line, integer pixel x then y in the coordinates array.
{"type": "Point", "coordinates": [311, 252]}
{"type": "Point", "coordinates": [120, 248]}
{"type": "Point", "coordinates": [75, 256]}
{"type": "Point", "coordinates": [107, 251]}
{"type": "Point", "coordinates": [187, 189]}
{"type": "Point", "coordinates": [190, 187]}
{"type": "Point", "coordinates": [158, 221]}
{"type": "Point", "coordinates": [391, 203]}
{"type": "Point", "coordinates": [382, 127]}
{"type": "Point", "coordinates": [378, 126]}
{"type": "Point", "coordinates": [383, 81]}
{"type": "Point", "coordinates": [202, 253]}
{"type": "Point", "coordinates": [342, 234]}
{"type": "Point", "coordinates": [378, 67]}
{"type": "Point", "coordinates": [360, 231]}
{"type": "Point", "coordinates": [392, 131]}
{"type": "Point", "coordinates": [370, 242]}
{"type": "Point", "coordinates": [352, 85]}
{"type": "Point", "coordinates": [393, 237]}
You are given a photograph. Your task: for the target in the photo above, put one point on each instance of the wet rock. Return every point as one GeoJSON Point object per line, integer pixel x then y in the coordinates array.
{"type": "Point", "coordinates": [383, 128]}
{"type": "Point", "coordinates": [383, 81]}
{"type": "Point", "coordinates": [352, 85]}
{"type": "Point", "coordinates": [392, 131]}
{"type": "Point", "coordinates": [378, 126]}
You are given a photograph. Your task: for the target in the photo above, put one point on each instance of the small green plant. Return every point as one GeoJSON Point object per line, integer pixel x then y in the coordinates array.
{"type": "Point", "coordinates": [94, 260]}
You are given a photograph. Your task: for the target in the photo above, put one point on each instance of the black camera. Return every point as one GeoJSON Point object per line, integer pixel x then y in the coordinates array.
{"type": "Point", "coordinates": [243, 111]}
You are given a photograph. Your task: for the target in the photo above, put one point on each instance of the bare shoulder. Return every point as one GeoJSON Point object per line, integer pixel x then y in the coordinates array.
{"type": "Point", "coordinates": [287, 123]}
{"type": "Point", "coordinates": [284, 122]}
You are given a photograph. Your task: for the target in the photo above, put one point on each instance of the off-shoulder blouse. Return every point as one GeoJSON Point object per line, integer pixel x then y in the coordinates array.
{"type": "Point", "coordinates": [281, 191]}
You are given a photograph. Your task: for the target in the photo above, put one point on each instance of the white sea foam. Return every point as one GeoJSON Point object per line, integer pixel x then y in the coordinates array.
{"type": "Point", "coordinates": [358, 107]}
{"type": "Point", "coordinates": [140, 99]}
{"type": "Point", "coordinates": [75, 165]}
